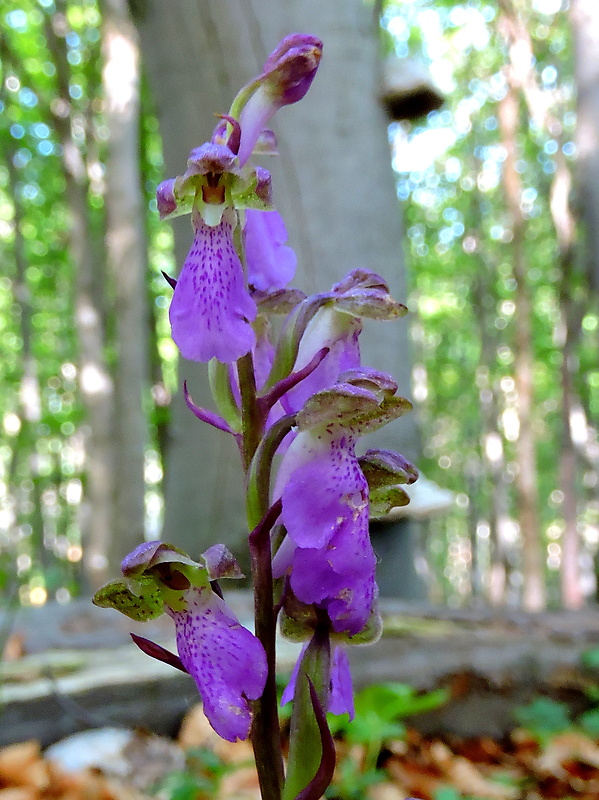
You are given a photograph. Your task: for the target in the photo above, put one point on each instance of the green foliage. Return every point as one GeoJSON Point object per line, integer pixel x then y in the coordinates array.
{"type": "Point", "coordinates": [199, 781]}
{"type": "Point", "coordinates": [463, 290]}
{"type": "Point", "coordinates": [544, 718]}
{"type": "Point", "coordinates": [590, 659]}
{"type": "Point", "coordinates": [378, 711]}
{"type": "Point", "coordinates": [352, 781]}
{"type": "Point", "coordinates": [589, 722]}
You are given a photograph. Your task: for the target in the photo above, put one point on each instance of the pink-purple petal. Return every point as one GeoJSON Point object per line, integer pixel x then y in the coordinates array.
{"type": "Point", "coordinates": [341, 699]}
{"type": "Point", "coordinates": [270, 262]}
{"type": "Point", "coordinates": [211, 309]}
{"type": "Point", "coordinates": [226, 661]}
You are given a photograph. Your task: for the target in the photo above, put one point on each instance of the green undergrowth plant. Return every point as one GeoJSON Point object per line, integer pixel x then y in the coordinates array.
{"type": "Point", "coordinates": [379, 710]}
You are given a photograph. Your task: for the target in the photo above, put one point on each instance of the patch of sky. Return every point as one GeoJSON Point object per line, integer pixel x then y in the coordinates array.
{"type": "Point", "coordinates": [17, 131]}
{"type": "Point", "coordinates": [551, 147]}
{"type": "Point", "coordinates": [21, 158]}
{"type": "Point", "coordinates": [451, 214]}
{"type": "Point", "coordinates": [46, 3]}
{"type": "Point", "coordinates": [48, 69]}
{"type": "Point", "coordinates": [549, 167]}
{"type": "Point", "coordinates": [74, 57]}
{"type": "Point", "coordinates": [569, 119]}
{"type": "Point", "coordinates": [529, 195]}
{"type": "Point", "coordinates": [569, 149]}
{"type": "Point", "coordinates": [417, 152]}
{"type": "Point", "coordinates": [75, 91]}
{"type": "Point", "coordinates": [547, 7]}
{"type": "Point", "coordinates": [45, 148]}
{"type": "Point", "coordinates": [425, 198]}
{"type": "Point", "coordinates": [453, 169]}
{"type": "Point", "coordinates": [521, 166]}
{"type": "Point", "coordinates": [40, 130]}
{"type": "Point", "coordinates": [491, 124]}
{"type": "Point", "coordinates": [497, 86]}
{"type": "Point", "coordinates": [403, 190]}
{"type": "Point", "coordinates": [30, 191]}
{"type": "Point", "coordinates": [446, 235]}
{"type": "Point", "coordinates": [27, 98]}
{"type": "Point", "coordinates": [1, 106]}
{"type": "Point", "coordinates": [17, 19]}
{"type": "Point", "coordinates": [549, 75]}
{"type": "Point", "coordinates": [72, 39]}
{"type": "Point", "coordinates": [488, 13]}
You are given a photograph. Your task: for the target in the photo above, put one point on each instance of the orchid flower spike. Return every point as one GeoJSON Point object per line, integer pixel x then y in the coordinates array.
{"type": "Point", "coordinates": [226, 661]}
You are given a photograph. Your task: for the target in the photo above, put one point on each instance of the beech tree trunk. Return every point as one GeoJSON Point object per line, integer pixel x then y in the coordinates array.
{"type": "Point", "coordinates": [584, 16]}
{"type": "Point", "coordinates": [527, 498]}
{"type": "Point", "coordinates": [127, 262]}
{"type": "Point", "coordinates": [332, 183]}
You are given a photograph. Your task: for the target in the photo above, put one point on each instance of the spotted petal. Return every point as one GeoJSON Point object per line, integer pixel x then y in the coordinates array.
{"type": "Point", "coordinates": [227, 661]}
{"type": "Point", "coordinates": [211, 309]}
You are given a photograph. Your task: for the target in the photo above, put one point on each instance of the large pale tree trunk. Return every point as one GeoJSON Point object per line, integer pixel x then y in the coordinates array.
{"type": "Point", "coordinates": [127, 262]}
{"type": "Point", "coordinates": [332, 183]}
{"type": "Point", "coordinates": [584, 16]}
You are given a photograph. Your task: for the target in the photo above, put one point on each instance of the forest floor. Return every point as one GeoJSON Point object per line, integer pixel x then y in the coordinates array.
{"type": "Point", "coordinates": [199, 766]}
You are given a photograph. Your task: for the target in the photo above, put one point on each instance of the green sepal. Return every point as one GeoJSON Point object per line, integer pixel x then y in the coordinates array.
{"type": "Point", "coordinates": [222, 392]}
{"type": "Point", "coordinates": [245, 194]}
{"type": "Point", "coordinates": [365, 294]}
{"type": "Point", "coordinates": [384, 499]}
{"type": "Point", "coordinates": [143, 604]}
{"type": "Point", "coordinates": [278, 301]}
{"type": "Point", "coordinates": [390, 408]}
{"type": "Point", "coordinates": [342, 404]}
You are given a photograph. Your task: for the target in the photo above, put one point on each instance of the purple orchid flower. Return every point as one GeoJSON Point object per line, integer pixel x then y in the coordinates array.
{"type": "Point", "coordinates": [212, 310]}
{"type": "Point", "coordinates": [327, 550]}
{"type": "Point", "coordinates": [325, 498]}
{"type": "Point", "coordinates": [340, 698]}
{"type": "Point", "coordinates": [226, 660]}
{"type": "Point", "coordinates": [286, 77]}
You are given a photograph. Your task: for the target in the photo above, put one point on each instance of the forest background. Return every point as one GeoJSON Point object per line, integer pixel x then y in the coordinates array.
{"type": "Point", "coordinates": [496, 190]}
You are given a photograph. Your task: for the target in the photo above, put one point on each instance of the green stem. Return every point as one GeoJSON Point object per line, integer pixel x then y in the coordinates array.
{"type": "Point", "coordinates": [252, 423]}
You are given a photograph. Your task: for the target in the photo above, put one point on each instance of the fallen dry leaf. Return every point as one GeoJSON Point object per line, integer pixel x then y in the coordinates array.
{"type": "Point", "coordinates": [568, 746]}
{"type": "Point", "coordinates": [465, 777]}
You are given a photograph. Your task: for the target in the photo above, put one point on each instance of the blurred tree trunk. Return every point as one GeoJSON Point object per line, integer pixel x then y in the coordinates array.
{"type": "Point", "coordinates": [584, 17]}
{"type": "Point", "coordinates": [527, 498]}
{"type": "Point", "coordinates": [95, 380]}
{"type": "Point", "coordinates": [332, 183]}
{"type": "Point", "coordinates": [127, 262]}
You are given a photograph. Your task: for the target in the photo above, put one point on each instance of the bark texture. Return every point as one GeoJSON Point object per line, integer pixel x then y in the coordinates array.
{"type": "Point", "coordinates": [127, 262]}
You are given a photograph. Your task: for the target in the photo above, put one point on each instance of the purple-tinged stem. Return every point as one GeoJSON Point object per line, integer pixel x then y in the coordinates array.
{"type": "Point", "coordinates": [283, 386]}
{"type": "Point", "coordinates": [266, 736]}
